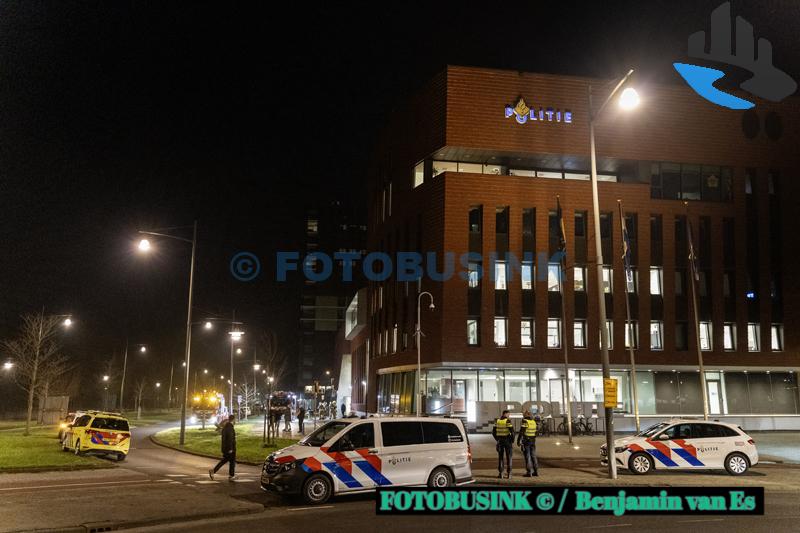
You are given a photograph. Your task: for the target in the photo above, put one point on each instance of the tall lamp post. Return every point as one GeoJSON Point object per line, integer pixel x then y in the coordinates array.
{"type": "Point", "coordinates": [628, 100]}
{"type": "Point", "coordinates": [419, 352]}
{"type": "Point", "coordinates": [142, 349]}
{"type": "Point", "coordinates": [144, 245]}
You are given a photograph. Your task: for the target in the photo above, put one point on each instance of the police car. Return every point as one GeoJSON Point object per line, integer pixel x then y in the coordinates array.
{"type": "Point", "coordinates": [358, 455]}
{"type": "Point", "coordinates": [686, 444]}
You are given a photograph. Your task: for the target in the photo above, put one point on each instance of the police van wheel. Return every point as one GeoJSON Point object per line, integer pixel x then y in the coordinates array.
{"type": "Point", "coordinates": [121, 457]}
{"type": "Point", "coordinates": [440, 477]}
{"type": "Point", "coordinates": [77, 447]}
{"type": "Point", "coordinates": [736, 464]}
{"type": "Point", "coordinates": [317, 489]}
{"type": "Point", "coordinates": [640, 463]}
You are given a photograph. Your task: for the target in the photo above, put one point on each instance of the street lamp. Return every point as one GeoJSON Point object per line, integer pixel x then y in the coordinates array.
{"type": "Point", "coordinates": [238, 351]}
{"type": "Point", "coordinates": [142, 349]}
{"type": "Point", "coordinates": [419, 352]}
{"type": "Point", "coordinates": [8, 365]}
{"type": "Point", "coordinates": [236, 335]}
{"type": "Point", "coordinates": [144, 246]}
{"type": "Point", "coordinates": [628, 100]}
{"type": "Point", "coordinates": [105, 378]}
{"type": "Point", "coordinates": [67, 322]}
{"type": "Point", "coordinates": [208, 325]}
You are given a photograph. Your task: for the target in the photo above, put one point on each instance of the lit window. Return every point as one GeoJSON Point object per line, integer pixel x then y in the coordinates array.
{"type": "Point", "coordinates": [394, 339]}
{"type": "Point", "coordinates": [631, 280]}
{"type": "Point", "coordinates": [444, 166]}
{"type": "Point", "coordinates": [579, 274]}
{"type": "Point", "coordinates": [608, 282]}
{"type": "Point", "coordinates": [631, 329]}
{"type": "Point", "coordinates": [753, 337]}
{"type": "Point", "coordinates": [776, 337]}
{"type": "Point", "coordinates": [527, 276]}
{"type": "Point", "coordinates": [501, 332]}
{"type": "Point", "coordinates": [553, 277]}
{"type": "Point", "coordinates": [705, 336]}
{"type": "Point", "coordinates": [656, 335]}
{"type": "Point", "coordinates": [526, 332]}
{"type": "Point", "coordinates": [475, 168]}
{"type": "Point", "coordinates": [609, 333]}
{"type": "Point", "coordinates": [472, 331]}
{"type": "Point", "coordinates": [473, 276]}
{"type": "Point", "coordinates": [729, 336]}
{"type": "Point", "coordinates": [419, 174]}
{"type": "Point", "coordinates": [553, 333]}
{"type": "Point", "coordinates": [579, 334]}
{"type": "Point", "coordinates": [656, 280]}
{"type": "Point", "coordinates": [500, 275]}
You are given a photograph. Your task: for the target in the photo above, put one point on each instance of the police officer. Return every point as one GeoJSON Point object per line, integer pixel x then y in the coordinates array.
{"type": "Point", "coordinates": [503, 433]}
{"type": "Point", "coordinates": [527, 441]}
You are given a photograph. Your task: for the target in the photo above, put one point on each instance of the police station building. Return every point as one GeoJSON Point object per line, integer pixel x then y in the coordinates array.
{"type": "Point", "coordinates": [478, 162]}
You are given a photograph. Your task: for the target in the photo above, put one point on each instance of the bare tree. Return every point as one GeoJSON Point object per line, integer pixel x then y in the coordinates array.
{"type": "Point", "coordinates": [274, 362]}
{"type": "Point", "coordinates": [49, 377]}
{"type": "Point", "coordinates": [36, 354]}
{"type": "Point", "coordinates": [248, 394]}
{"type": "Point", "coordinates": [139, 389]}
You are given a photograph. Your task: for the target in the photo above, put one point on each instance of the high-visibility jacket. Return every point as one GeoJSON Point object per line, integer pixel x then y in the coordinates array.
{"type": "Point", "coordinates": [528, 428]}
{"type": "Point", "coordinates": [503, 428]}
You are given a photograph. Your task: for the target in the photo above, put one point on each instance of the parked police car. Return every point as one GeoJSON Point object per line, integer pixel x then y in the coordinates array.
{"type": "Point", "coordinates": [686, 444]}
{"type": "Point", "coordinates": [357, 455]}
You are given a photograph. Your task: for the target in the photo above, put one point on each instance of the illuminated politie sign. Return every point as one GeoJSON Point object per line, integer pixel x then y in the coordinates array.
{"type": "Point", "coordinates": [522, 113]}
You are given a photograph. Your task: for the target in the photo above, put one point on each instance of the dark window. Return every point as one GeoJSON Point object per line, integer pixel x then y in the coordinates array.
{"type": "Point", "coordinates": [680, 431]}
{"type": "Point", "coordinates": [475, 219]}
{"type": "Point", "coordinates": [680, 336]}
{"type": "Point", "coordinates": [690, 182]}
{"type": "Point", "coordinates": [725, 431]}
{"type": "Point", "coordinates": [705, 431]}
{"type": "Point", "coordinates": [671, 181]}
{"type": "Point", "coordinates": [656, 230]}
{"type": "Point", "coordinates": [580, 224]}
{"type": "Point", "coordinates": [401, 433]}
{"type": "Point", "coordinates": [325, 433]}
{"type": "Point", "coordinates": [114, 424]}
{"type": "Point", "coordinates": [605, 225]}
{"type": "Point", "coordinates": [362, 436]}
{"type": "Point", "coordinates": [438, 432]}
{"type": "Point", "coordinates": [655, 181]}
{"type": "Point", "coordinates": [82, 421]}
{"type": "Point", "coordinates": [501, 220]}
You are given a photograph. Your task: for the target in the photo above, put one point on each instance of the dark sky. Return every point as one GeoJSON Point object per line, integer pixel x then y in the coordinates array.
{"type": "Point", "coordinates": [117, 116]}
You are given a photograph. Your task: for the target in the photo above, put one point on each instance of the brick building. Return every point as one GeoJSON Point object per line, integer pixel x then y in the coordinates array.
{"type": "Point", "coordinates": [475, 164]}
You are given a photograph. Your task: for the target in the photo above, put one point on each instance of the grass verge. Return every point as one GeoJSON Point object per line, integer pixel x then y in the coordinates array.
{"type": "Point", "coordinates": [41, 451]}
{"type": "Point", "coordinates": [207, 442]}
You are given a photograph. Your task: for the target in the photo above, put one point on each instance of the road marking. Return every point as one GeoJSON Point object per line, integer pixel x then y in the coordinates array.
{"type": "Point", "coordinates": [176, 475]}
{"type": "Point", "coordinates": [206, 481]}
{"type": "Point", "coordinates": [67, 485]}
{"type": "Point", "coordinates": [243, 480]}
{"type": "Point", "coordinates": [608, 525]}
{"type": "Point", "coordinates": [702, 520]}
{"type": "Point", "coordinates": [310, 508]}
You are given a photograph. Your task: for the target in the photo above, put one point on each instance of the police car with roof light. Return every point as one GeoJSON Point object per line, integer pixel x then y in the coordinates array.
{"type": "Point", "coordinates": [686, 444]}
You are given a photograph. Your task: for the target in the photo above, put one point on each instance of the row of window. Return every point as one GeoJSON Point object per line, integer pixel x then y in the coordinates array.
{"type": "Point", "coordinates": [579, 336]}
{"type": "Point", "coordinates": [675, 181]}
{"type": "Point", "coordinates": [439, 167]}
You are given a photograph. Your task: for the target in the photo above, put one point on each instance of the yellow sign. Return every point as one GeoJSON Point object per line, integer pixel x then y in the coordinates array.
{"type": "Point", "coordinates": [610, 392]}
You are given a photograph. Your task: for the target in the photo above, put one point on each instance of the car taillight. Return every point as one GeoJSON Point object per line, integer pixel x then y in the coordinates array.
{"type": "Point", "coordinates": [469, 453]}
{"type": "Point", "coordinates": [750, 441]}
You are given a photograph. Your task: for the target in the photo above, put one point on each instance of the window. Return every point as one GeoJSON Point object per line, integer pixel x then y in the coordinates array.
{"type": "Point", "coordinates": [526, 332]}
{"type": "Point", "coordinates": [546, 174]}
{"type": "Point", "coordinates": [472, 331]}
{"type": "Point", "coordinates": [553, 333]}
{"type": "Point", "coordinates": [631, 280]}
{"type": "Point", "coordinates": [608, 280]}
{"type": "Point", "coordinates": [656, 335]}
{"type": "Point", "coordinates": [444, 166]}
{"type": "Point", "coordinates": [703, 283]}
{"type": "Point", "coordinates": [680, 282]}
{"type": "Point", "coordinates": [401, 433]}
{"type": "Point", "coordinates": [776, 337]}
{"type": "Point", "coordinates": [680, 431]}
{"type": "Point", "coordinates": [631, 329]}
{"type": "Point", "coordinates": [475, 214]}
{"type": "Point", "coordinates": [753, 337]}
{"type": "Point", "coordinates": [501, 332]}
{"type": "Point", "coordinates": [474, 168]}
{"type": "Point", "coordinates": [729, 336]}
{"type": "Point", "coordinates": [497, 170]}
{"type": "Point", "coordinates": [609, 333]}
{"type": "Point", "coordinates": [82, 421]}
{"type": "Point", "coordinates": [706, 431]}
{"type": "Point", "coordinates": [419, 174]}
{"type": "Point", "coordinates": [656, 280]}
{"type": "Point", "coordinates": [441, 432]}
{"type": "Point", "coordinates": [526, 272]}
{"type": "Point", "coordinates": [394, 339]}
{"type": "Point", "coordinates": [705, 336]}
{"type": "Point", "coordinates": [680, 336]}
{"type": "Point", "coordinates": [113, 424]}
{"type": "Point", "coordinates": [579, 333]}
{"type": "Point", "coordinates": [727, 284]}
{"type": "Point", "coordinates": [359, 437]}
{"type": "Point", "coordinates": [690, 182]}
{"type": "Point", "coordinates": [325, 433]}
{"type": "Point", "coordinates": [473, 275]}
{"type": "Point", "coordinates": [553, 277]}
{"type": "Point", "coordinates": [500, 275]}
{"type": "Point", "coordinates": [579, 274]}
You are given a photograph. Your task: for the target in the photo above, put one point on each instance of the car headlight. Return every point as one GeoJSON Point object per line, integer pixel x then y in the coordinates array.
{"type": "Point", "coordinates": [285, 467]}
{"type": "Point", "coordinates": [620, 449]}
{"type": "Point", "coordinates": [63, 425]}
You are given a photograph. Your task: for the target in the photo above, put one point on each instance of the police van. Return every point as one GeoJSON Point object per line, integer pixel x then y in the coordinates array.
{"type": "Point", "coordinates": [357, 455]}
{"type": "Point", "coordinates": [686, 444]}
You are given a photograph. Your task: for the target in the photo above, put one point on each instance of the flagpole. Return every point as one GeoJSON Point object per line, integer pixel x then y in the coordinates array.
{"type": "Point", "coordinates": [694, 276]}
{"type": "Point", "coordinates": [626, 265]}
{"type": "Point", "coordinates": [563, 261]}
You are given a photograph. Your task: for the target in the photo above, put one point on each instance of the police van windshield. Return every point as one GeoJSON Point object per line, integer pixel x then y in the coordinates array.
{"type": "Point", "coordinates": [652, 430]}
{"type": "Point", "coordinates": [324, 434]}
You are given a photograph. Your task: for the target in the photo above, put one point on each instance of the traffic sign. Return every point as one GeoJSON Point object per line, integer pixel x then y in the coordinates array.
{"type": "Point", "coordinates": [610, 392]}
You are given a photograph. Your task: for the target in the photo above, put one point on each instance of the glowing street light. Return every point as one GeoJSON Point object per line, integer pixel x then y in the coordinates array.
{"type": "Point", "coordinates": [205, 371]}
{"type": "Point", "coordinates": [238, 351]}
{"type": "Point", "coordinates": [144, 245]}
{"type": "Point", "coordinates": [143, 349]}
{"type": "Point", "coordinates": [629, 98]}
{"type": "Point", "coordinates": [257, 367]}
{"type": "Point", "coordinates": [158, 384]}
{"type": "Point", "coordinates": [105, 378]}
{"type": "Point", "coordinates": [8, 365]}
{"type": "Point", "coordinates": [208, 325]}
{"type": "Point", "coordinates": [67, 322]}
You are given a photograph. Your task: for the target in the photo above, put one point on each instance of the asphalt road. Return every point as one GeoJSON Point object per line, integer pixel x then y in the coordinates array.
{"type": "Point", "coordinates": [159, 485]}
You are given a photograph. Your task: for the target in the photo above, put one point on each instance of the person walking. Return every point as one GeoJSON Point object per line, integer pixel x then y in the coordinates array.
{"type": "Point", "coordinates": [287, 420]}
{"type": "Point", "coordinates": [503, 433]}
{"type": "Point", "coordinates": [228, 451]}
{"type": "Point", "coordinates": [527, 441]}
{"type": "Point", "coordinates": [301, 416]}
{"type": "Point", "coordinates": [344, 409]}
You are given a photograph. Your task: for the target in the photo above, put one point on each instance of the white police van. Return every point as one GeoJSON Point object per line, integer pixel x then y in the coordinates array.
{"type": "Point", "coordinates": [686, 444]}
{"type": "Point", "coordinates": [357, 455]}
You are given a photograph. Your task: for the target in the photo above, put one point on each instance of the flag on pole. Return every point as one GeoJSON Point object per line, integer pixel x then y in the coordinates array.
{"type": "Point", "coordinates": [562, 235]}
{"type": "Point", "coordinates": [692, 255]}
{"type": "Point", "coordinates": [626, 247]}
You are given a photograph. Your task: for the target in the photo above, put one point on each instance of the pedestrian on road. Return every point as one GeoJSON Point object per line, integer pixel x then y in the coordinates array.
{"type": "Point", "coordinates": [228, 451]}
{"type": "Point", "coordinates": [344, 408]}
{"type": "Point", "coordinates": [301, 416]}
{"type": "Point", "coordinates": [503, 433]}
{"type": "Point", "coordinates": [527, 441]}
{"type": "Point", "coordinates": [287, 417]}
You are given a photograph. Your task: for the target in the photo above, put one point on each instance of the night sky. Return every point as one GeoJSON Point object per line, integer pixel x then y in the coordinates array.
{"type": "Point", "coordinates": [118, 116]}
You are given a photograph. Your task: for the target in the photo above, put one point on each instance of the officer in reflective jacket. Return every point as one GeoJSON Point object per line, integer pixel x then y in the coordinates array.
{"type": "Point", "coordinates": [503, 433]}
{"type": "Point", "coordinates": [527, 441]}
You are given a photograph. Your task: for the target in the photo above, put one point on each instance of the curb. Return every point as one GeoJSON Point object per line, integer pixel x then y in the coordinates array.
{"type": "Point", "coordinates": [38, 469]}
{"type": "Point", "coordinates": [198, 454]}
